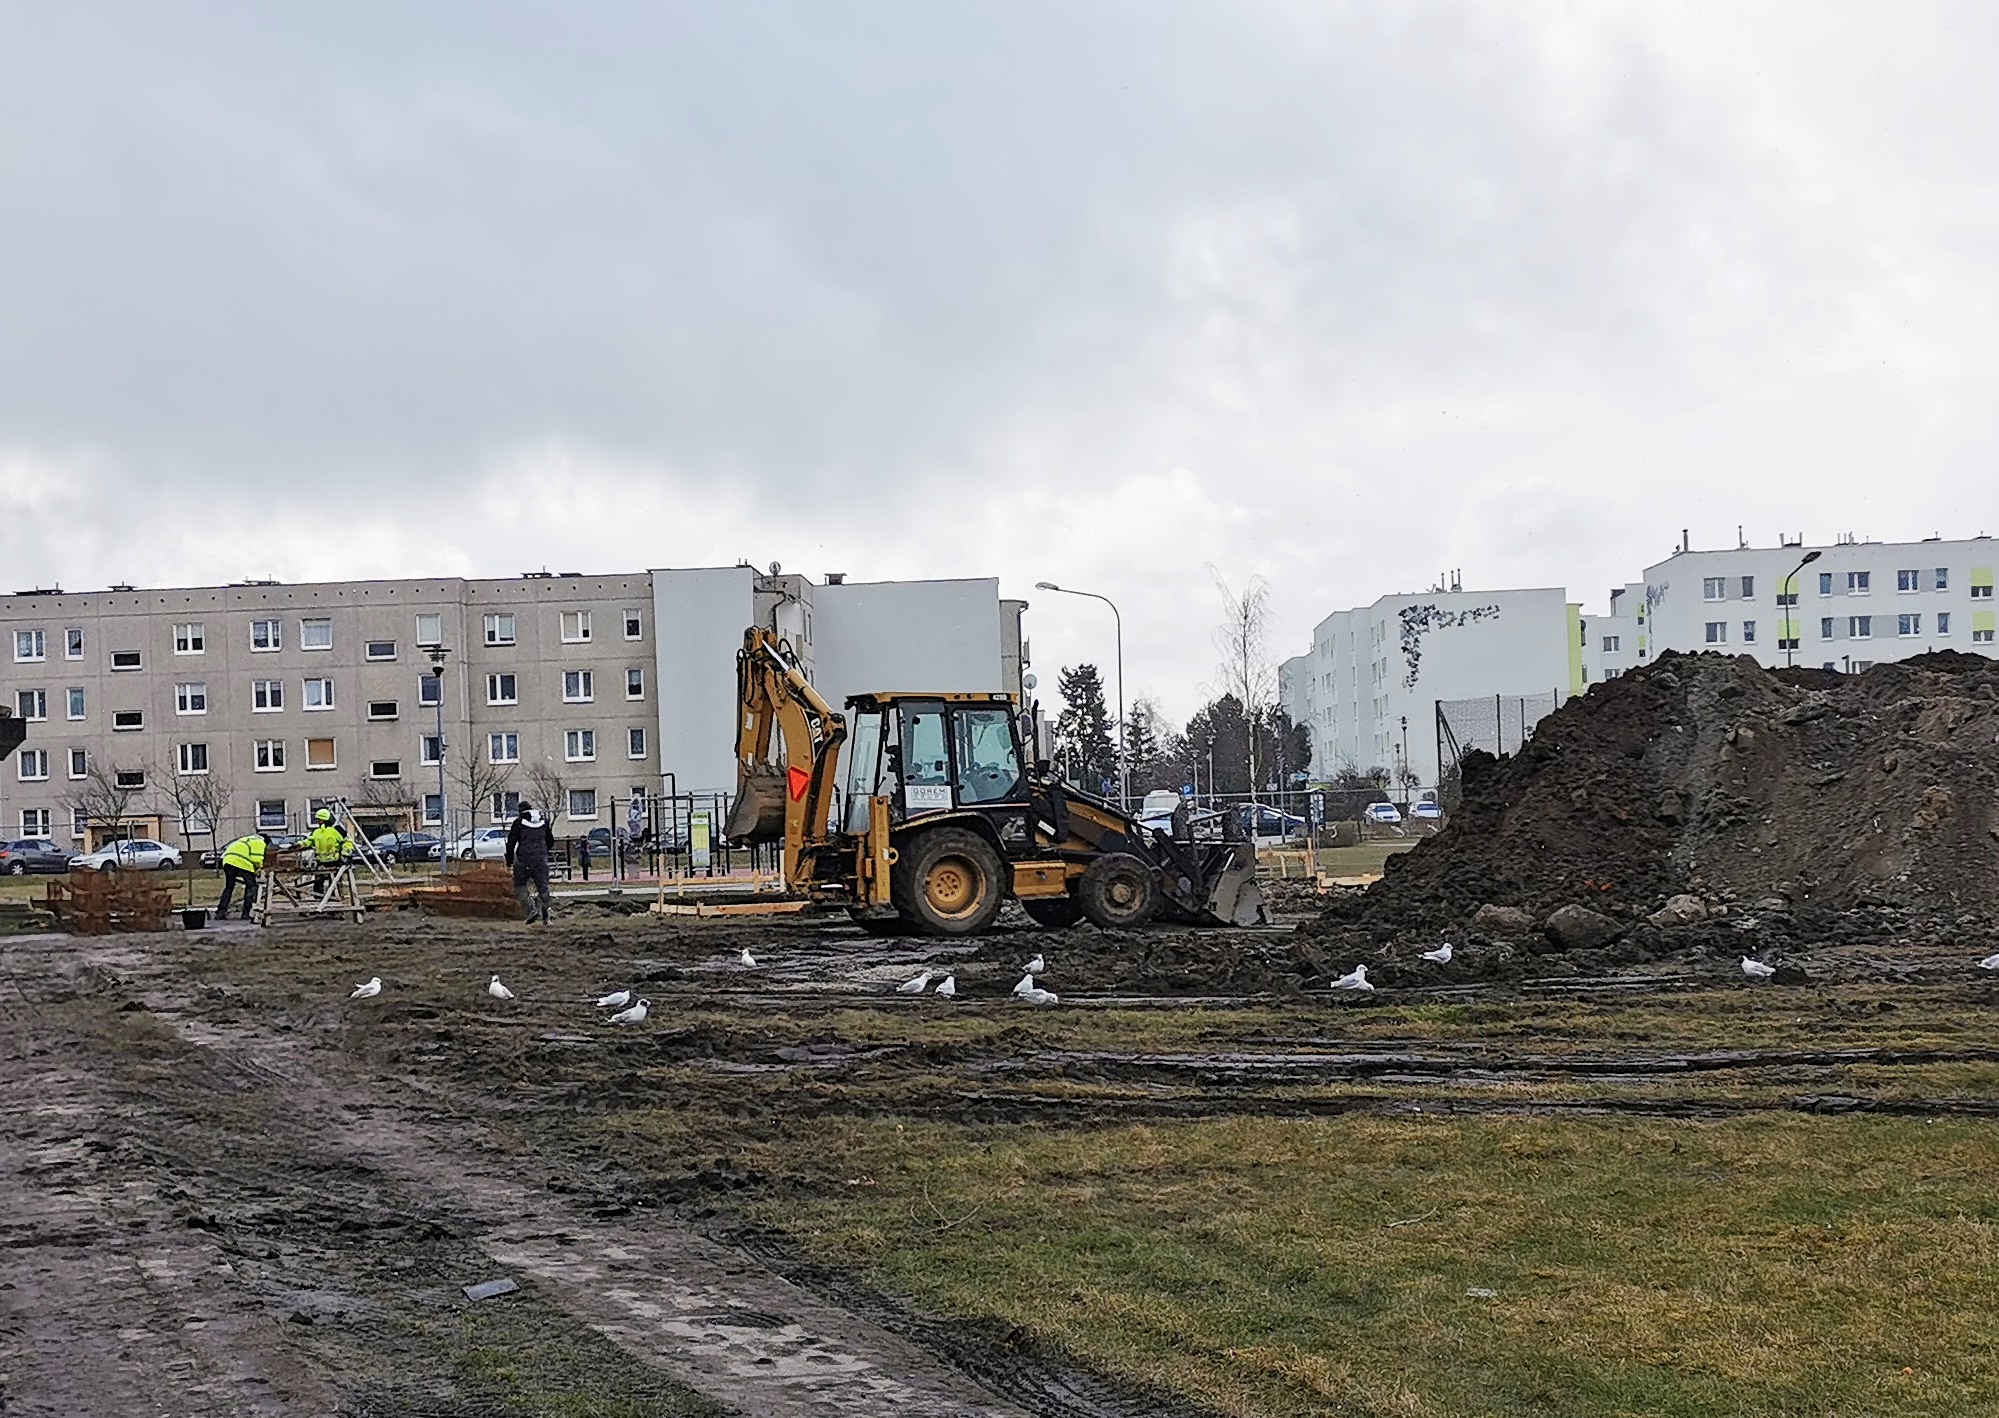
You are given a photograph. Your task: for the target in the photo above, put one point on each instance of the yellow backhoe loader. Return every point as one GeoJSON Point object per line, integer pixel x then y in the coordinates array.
{"type": "Point", "coordinates": [941, 817]}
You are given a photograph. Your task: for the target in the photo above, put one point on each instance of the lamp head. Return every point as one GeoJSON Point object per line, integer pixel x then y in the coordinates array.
{"type": "Point", "coordinates": [1810, 557]}
{"type": "Point", "coordinates": [1046, 586]}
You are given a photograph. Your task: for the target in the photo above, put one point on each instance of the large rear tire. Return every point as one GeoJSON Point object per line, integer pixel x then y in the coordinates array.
{"type": "Point", "coordinates": [1052, 912]}
{"type": "Point", "coordinates": [947, 882]}
{"type": "Point", "coordinates": [1118, 891]}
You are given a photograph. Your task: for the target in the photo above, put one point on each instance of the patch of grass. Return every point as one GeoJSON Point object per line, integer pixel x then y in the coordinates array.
{"type": "Point", "coordinates": [1775, 1264]}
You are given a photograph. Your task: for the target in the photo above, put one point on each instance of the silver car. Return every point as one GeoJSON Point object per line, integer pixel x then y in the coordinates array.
{"type": "Point", "coordinates": [136, 854]}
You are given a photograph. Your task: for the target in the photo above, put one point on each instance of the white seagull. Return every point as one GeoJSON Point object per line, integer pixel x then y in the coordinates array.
{"type": "Point", "coordinates": [1756, 969]}
{"type": "Point", "coordinates": [1026, 984]}
{"type": "Point", "coordinates": [1442, 954]}
{"type": "Point", "coordinates": [916, 986]}
{"type": "Point", "coordinates": [746, 959]}
{"type": "Point", "coordinates": [949, 988]}
{"type": "Point", "coordinates": [498, 990]}
{"type": "Point", "coordinates": [1036, 966]}
{"type": "Point", "coordinates": [1039, 996]}
{"type": "Point", "coordinates": [617, 999]}
{"type": "Point", "coordinates": [1990, 962]}
{"type": "Point", "coordinates": [635, 1015]}
{"type": "Point", "coordinates": [1355, 981]}
{"type": "Point", "coordinates": [369, 990]}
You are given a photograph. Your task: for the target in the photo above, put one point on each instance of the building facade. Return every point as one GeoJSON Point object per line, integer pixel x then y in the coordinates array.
{"type": "Point", "coordinates": [251, 705]}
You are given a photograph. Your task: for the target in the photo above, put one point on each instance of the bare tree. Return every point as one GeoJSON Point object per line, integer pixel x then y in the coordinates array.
{"type": "Point", "coordinates": [1246, 670]}
{"type": "Point", "coordinates": [106, 795]}
{"type": "Point", "coordinates": [477, 779]}
{"type": "Point", "coordinates": [549, 786]}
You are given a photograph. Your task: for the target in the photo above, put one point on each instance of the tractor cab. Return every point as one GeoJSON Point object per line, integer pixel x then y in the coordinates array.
{"type": "Point", "coordinates": [932, 753]}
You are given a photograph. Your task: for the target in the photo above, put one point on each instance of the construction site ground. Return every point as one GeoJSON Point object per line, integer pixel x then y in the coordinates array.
{"type": "Point", "coordinates": [1199, 1183]}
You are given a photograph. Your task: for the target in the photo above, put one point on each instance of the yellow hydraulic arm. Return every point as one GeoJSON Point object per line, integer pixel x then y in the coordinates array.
{"type": "Point", "coordinates": [783, 799]}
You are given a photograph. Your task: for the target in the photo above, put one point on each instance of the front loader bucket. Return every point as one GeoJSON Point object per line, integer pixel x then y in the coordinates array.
{"type": "Point", "coordinates": [1237, 900]}
{"type": "Point", "coordinates": [758, 815]}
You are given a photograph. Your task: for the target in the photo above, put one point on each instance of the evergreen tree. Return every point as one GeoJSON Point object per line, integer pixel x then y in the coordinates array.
{"type": "Point", "coordinates": [1142, 746]}
{"type": "Point", "coordinates": [1083, 733]}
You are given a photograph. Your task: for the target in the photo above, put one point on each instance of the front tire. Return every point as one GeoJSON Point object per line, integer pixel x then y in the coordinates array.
{"type": "Point", "coordinates": [947, 882]}
{"type": "Point", "coordinates": [17, 869]}
{"type": "Point", "coordinates": [1118, 891]}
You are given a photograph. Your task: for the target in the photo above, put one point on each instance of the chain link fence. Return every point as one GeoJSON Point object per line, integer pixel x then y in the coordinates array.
{"type": "Point", "coordinates": [1498, 723]}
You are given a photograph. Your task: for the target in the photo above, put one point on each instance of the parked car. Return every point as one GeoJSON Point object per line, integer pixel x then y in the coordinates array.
{"type": "Point", "coordinates": [1425, 812]}
{"type": "Point", "coordinates": [407, 846]}
{"type": "Point", "coordinates": [1266, 822]}
{"type": "Point", "coordinates": [488, 844]}
{"type": "Point", "coordinates": [135, 854]}
{"type": "Point", "coordinates": [1387, 814]}
{"type": "Point", "coordinates": [33, 854]}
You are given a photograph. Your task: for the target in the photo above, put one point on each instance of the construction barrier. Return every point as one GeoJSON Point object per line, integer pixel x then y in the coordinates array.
{"type": "Point", "coordinates": [109, 903]}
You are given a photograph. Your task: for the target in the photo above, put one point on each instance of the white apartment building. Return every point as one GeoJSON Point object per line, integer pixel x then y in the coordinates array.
{"type": "Point", "coordinates": [1852, 605]}
{"type": "Point", "coordinates": [255, 703]}
{"type": "Point", "coordinates": [1369, 687]}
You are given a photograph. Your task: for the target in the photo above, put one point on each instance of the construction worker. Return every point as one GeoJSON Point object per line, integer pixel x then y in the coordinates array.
{"type": "Point", "coordinates": [330, 848]}
{"type": "Point", "coordinates": [530, 842]}
{"type": "Point", "coordinates": [241, 861]}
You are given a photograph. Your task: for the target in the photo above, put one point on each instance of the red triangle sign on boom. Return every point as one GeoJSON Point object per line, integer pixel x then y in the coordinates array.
{"type": "Point", "coordinates": [798, 780]}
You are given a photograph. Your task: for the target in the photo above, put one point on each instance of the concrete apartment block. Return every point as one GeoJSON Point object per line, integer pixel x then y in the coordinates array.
{"type": "Point", "coordinates": [575, 692]}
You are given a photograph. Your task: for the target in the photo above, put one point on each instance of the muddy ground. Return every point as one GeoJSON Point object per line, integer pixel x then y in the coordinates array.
{"type": "Point", "coordinates": [233, 1190]}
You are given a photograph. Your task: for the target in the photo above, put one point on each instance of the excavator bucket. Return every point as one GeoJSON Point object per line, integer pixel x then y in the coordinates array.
{"type": "Point", "coordinates": [758, 815]}
{"type": "Point", "coordinates": [1237, 900]}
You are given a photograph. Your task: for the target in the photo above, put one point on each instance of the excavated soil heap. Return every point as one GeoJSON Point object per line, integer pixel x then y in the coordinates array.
{"type": "Point", "coordinates": [1801, 798]}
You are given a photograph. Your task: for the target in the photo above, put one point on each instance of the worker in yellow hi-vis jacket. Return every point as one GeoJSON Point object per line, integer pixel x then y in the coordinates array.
{"type": "Point", "coordinates": [242, 860]}
{"type": "Point", "coordinates": [330, 848]}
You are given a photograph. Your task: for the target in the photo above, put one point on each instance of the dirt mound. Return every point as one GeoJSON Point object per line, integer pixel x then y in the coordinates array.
{"type": "Point", "coordinates": [1807, 803]}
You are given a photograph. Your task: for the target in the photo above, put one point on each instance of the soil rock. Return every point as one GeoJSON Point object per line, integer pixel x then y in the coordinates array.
{"type": "Point", "coordinates": [1579, 928]}
{"type": "Point", "coordinates": [1685, 909]}
{"type": "Point", "coordinates": [1503, 922]}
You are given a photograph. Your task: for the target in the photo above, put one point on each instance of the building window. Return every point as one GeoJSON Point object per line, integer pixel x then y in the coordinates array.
{"type": "Point", "coordinates": [75, 702]}
{"type": "Point", "coordinates": [505, 805]}
{"type": "Point", "coordinates": [130, 778]}
{"type": "Point", "coordinates": [429, 630]}
{"type": "Point", "coordinates": [31, 703]}
{"type": "Point", "coordinates": [502, 689]}
{"type": "Point", "coordinates": [315, 634]}
{"type": "Point", "coordinates": [381, 650]}
{"type": "Point", "coordinates": [79, 822]}
{"type": "Point", "coordinates": [270, 756]}
{"type": "Point", "coordinates": [1943, 622]}
{"type": "Point", "coordinates": [1717, 632]}
{"type": "Point", "coordinates": [318, 694]}
{"type": "Point", "coordinates": [128, 721]}
{"type": "Point", "coordinates": [634, 625]}
{"type": "Point", "coordinates": [1787, 591]}
{"type": "Point", "coordinates": [1943, 578]}
{"type": "Point", "coordinates": [580, 745]}
{"type": "Point", "coordinates": [1909, 624]}
{"type": "Point", "coordinates": [386, 768]}
{"type": "Point", "coordinates": [379, 709]}
{"type": "Point", "coordinates": [1748, 632]}
{"type": "Point", "coordinates": [33, 764]}
{"type": "Point", "coordinates": [319, 754]}
{"type": "Point", "coordinates": [1859, 627]}
{"type": "Point", "coordinates": [1858, 583]}
{"type": "Point", "coordinates": [190, 639]}
{"type": "Point", "coordinates": [635, 683]}
{"type": "Point", "coordinates": [635, 743]}
{"type": "Point", "coordinates": [271, 813]}
{"type": "Point", "coordinates": [1981, 583]}
{"type": "Point", "coordinates": [79, 763]}
{"type": "Point", "coordinates": [499, 629]}
{"type": "Point", "coordinates": [1981, 637]}
{"type": "Point", "coordinates": [267, 696]}
{"type": "Point", "coordinates": [30, 645]}
{"type": "Point", "coordinates": [575, 627]}
{"type": "Point", "coordinates": [72, 643]}
{"type": "Point", "coordinates": [431, 750]}
{"type": "Point", "coordinates": [1714, 588]}
{"type": "Point", "coordinates": [1749, 588]}
{"type": "Point", "coordinates": [433, 810]}
{"type": "Point", "coordinates": [127, 660]}
{"type": "Point", "coordinates": [578, 686]}
{"type": "Point", "coordinates": [1825, 583]}
{"type": "Point", "coordinates": [266, 635]}
{"type": "Point", "coordinates": [1908, 580]}
{"type": "Point", "coordinates": [190, 758]}
{"type": "Point", "coordinates": [191, 698]}
{"type": "Point", "coordinates": [503, 748]}
{"type": "Point", "coordinates": [1787, 634]}
{"type": "Point", "coordinates": [35, 822]}
{"type": "Point", "coordinates": [429, 690]}
{"type": "Point", "coordinates": [1826, 624]}
{"type": "Point", "coordinates": [582, 802]}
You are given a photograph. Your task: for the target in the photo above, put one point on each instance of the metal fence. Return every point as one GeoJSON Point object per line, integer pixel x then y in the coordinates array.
{"type": "Point", "coordinates": [1498, 723]}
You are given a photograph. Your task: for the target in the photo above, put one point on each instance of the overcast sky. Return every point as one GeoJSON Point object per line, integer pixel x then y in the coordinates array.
{"type": "Point", "coordinates": [1337, 294]}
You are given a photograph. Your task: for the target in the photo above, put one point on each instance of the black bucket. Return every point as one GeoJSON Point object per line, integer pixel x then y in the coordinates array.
{"type": "Point", "coordinates": [194, 918]}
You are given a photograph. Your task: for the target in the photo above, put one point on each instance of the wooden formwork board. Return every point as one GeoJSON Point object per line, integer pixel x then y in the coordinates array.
{"type": "Point", "coordinates": [729, 908]}
{"type": "Point", "coordinates": [109, 903]}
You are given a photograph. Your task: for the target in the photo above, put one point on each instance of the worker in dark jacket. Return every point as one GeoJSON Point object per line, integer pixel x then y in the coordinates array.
{"type": "Point", "coordinates": [530, 842]}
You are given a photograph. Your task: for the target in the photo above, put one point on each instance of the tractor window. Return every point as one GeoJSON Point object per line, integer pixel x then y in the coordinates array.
{"type": "Point", "coordinates": [988, 765]}
{"type": "Point", "coordinates": [926, 762]}
{"type": "Point", "coordinates": [863, 768]}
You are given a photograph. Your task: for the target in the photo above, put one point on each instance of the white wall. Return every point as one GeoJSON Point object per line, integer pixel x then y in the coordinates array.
{"type": "Point", "coordinates": [907, 635]}
{"type": "Point", "coordinates": [698, 619]}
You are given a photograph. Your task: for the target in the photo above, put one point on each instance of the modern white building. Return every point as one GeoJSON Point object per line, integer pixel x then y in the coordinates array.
{"type": "Point", "coordinates": [1370, 686]}
{"type": "Point", "coordinates": [257, 703]}
{"type": "Point", "coordinates": [1843, 606]}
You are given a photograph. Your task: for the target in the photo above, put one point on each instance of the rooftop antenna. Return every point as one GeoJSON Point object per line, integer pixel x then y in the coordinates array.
{"type": "Point", "coordinates": [1740, 540]}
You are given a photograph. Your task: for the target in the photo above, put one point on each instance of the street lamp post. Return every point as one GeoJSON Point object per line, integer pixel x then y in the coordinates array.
{"type": "Point", "coordinates": [437, 654]}
{"type": "Point", "coordinates": [1123, 766]}
{"type": "Point", "coordinates": [1792, 621]}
